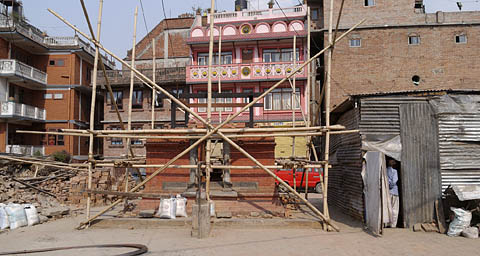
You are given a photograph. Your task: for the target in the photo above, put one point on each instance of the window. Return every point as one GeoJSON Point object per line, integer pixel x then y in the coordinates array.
{"type": "Point", "coordinates": [414, 40]}
{"type": "Point", "coordinates": [315, 14]}
{"type": "Point", "coordinates": [136, 141]}
{"type": "Point", "coordinates": [278, 55]}
{"type": "Point", "coordinates": [247, 99]}
{"type": "Point", "coordinates": [225, 60]}
{"type": "Point", "coordinates": [355, 42]}
{"type": "Point", "coordinates": [89, 74]}
{"type": "Point", "coordinates": [58, 96]}
{"type": "Point", "coordinates": [58, 62]}
{"type": "Point", "coordinates": [47, 96]}
{"type": "Point", "coordinates": [158, 100]}
{"type": "Point", "coordinates": [224, 100]}
{"type": "Point", "coordinates": [53, 140]}
{"type": "Point", "coordinates": [137, 99]}
{"type": "Point", "coordinates": [118, 98]}
{"type": "Point", "coordinates": [202, 109]}
{"type": "Point", "coordinates": [281, 99]}
{"type": "Point", "coordinates": [369, 2]}
{"type": "Point", "coordinates": [460, 39]}
{"type": "Point", "coordinates": [116, 141]}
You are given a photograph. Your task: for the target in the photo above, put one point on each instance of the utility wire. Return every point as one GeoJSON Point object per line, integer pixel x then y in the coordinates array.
{"type": "Point", "coordinates": [166, 25]}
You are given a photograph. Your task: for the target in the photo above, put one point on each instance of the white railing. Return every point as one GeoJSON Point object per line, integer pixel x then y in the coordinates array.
{"type": "Point", "coordinates": [38, 36]}
{"type": "Point", "coordinates": [25, 150]}
{"type": "Point", "coordinates": [260, 14]}
{"type": "Point", "coordinates": [12, 67]}
{"type": "Point", "coordinates": [19, 110]}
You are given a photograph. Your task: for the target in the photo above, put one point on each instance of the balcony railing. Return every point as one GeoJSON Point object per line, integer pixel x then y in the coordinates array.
{"type": "Point", "coordinates": [12, 67]}
{"type": "Point", "coordinates": [237, 72]}
{"type": "Point", "coordinates": [22, 111]}
{"type": "Point", "coordinates": [35, 34]}
{"type": "Point", "coordinates": [162, 75]}
{"type": "Point", "coordinates": [25, 150]}
{"type": "Point", "coordinates": [260, 14]}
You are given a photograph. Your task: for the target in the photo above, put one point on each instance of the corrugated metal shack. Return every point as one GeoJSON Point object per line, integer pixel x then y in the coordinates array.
{"type": "Point", "coordinates": [434, 134]}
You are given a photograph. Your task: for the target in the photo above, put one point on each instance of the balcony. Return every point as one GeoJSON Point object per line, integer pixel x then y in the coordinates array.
{"type": "Point", "coordinates": [21, 111]}
{"type": "Point", "coordinates": [19, 72]}
{"type": "Point", "coordinates": [25, 150]}
{"type": "Point", "coordinates": [247, 15]}
{"type": "Point", "coordinates": [244, 72]}
{"type": "Point", "coordinates": [7, 24]}
{"type": "Point", "coordinates": [162, 76]}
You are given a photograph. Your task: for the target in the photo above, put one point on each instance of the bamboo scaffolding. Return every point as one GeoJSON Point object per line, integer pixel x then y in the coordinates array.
{"type": "Point", "coordinates": [307, 96]}
{"type": "Point", "coordinates": [154, 78]}
{"type": "Point", "coordinates": [190, 166]}
{"type": "Point", "coordinates": [43, 164]}
{"type": "Point", "coordinates": [212, 131]}
{"type": "Point", "coordinates": [92, 107]}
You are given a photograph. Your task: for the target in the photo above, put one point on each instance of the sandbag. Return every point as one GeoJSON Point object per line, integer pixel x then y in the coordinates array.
{"type": "Point", "coordinates": [461, 221]}
{"type": "Point", "coordinates": [32, 214]}
{"type": "Point", "coordinates": [471, 232]}
{"type": "Point", "coordinates": [167, 208]}
{"type": "Point", "coordinates": [4, 223]}
{"type": "Point", "coordinates": [181, 210]}
{"type": "Point", "coordinates": [16, 216]}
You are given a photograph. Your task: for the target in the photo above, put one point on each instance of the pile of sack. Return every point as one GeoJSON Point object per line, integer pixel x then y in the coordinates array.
{"type": "Point", "coordinates": [173, 207]}
{"type": "Point", "coordinates": [14, 216]}
{"type": "Point", "coordinates": [461, 224]}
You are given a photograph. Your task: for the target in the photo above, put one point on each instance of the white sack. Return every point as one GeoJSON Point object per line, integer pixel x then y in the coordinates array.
{"type": "Point", "coordinates": [167, 209]}
{"type": "Point", "coordinates": [181, 210]}
{"type": "Point", "coordinates": [460, 223]}
{"type": "Point", "coordinates": [32, 214]}
{"type": "Point", "coordinates": [16, 216]}
{"type": "Point", "coordinates": [471, 232]}
{"type": "Point", "coordinates": [4, 223]}
{"type": "Point", "coordinates": [212, 208]}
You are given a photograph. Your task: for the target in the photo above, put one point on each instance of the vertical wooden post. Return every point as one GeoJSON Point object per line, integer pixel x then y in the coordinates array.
{"type": "Point", "coordinates": [92, 107]}
{"type": "Point", "coordinates": [154, 92]}
{"type": "Point", "coordinates": [219, 72]}
{"type": "Point", "coordinates": [327, 114]}
{"type": "Point", "coordinates": [294, 95]}
{"type": "Point", "coordinates": [208, 148]}
{"type": "Point", "coordinates": [130, 100]}
{"type": "Point", "coordinates": [307, 96]}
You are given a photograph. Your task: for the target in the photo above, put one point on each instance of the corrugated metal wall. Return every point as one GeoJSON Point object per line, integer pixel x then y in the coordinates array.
{"type": "Point", "coordinates": [345, 180]}
{"type": "Point", "coordinates": [459, 143]}
{"type": "Point", "coordinates": [381, 115]}
{"type": "Point", "coordinates": [419, 175]}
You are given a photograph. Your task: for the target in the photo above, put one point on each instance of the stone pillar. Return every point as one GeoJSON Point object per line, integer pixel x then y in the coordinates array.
{"type": "Point", "coordinates": [227, 181]}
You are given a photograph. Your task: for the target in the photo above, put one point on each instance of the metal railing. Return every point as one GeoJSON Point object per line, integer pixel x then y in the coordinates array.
{"type": "Point", "coordinates": [22, 27]}
{"type": "Point", "coordinates": [260, 14]}
{"type": "Point", "coordinates": [26, 150]}
{"type": "Point", "coordinates": [12, 67]}
{"type": "Point", "coordinates": [19, 110]}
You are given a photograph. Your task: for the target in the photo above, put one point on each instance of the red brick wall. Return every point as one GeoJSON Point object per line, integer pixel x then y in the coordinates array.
{"type": "Point", "coordinates": [3, 135]}
{"type": "Point", "coordinates": [264, 199]}
{"type": "Point", "coordinates": [62, 74]}
{"type": "Point", "coordinates": [386, 62]}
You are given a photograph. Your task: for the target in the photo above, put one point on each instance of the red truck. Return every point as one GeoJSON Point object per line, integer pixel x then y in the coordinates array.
{"type": "Point", "coordinates": [300, 177]}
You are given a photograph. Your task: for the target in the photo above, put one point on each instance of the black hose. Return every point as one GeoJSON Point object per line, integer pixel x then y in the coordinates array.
{"type": "Point", "coordinates": [141, 249]}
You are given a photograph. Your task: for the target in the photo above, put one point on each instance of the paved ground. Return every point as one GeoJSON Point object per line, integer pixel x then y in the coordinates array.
{"type": "Point", "coordinates": [352, 240]}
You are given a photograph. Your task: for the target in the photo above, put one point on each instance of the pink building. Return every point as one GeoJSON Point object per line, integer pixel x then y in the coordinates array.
{"type": "Point", "coordinates": [256, 52]}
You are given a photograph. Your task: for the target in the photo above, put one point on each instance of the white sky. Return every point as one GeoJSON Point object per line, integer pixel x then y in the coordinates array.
{"type": "Point", "coordinates": [117, 27]}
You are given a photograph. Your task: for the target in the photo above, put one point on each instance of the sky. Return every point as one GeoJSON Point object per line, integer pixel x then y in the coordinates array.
{"type": "Point", "coordinates": [117, 21]}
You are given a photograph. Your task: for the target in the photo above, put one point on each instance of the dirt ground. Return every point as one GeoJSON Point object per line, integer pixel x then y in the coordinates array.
{"type": "Point", "coordinates": [352, 240]}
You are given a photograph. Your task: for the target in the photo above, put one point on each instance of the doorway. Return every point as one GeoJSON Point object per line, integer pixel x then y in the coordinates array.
{"type": "Point", "coordinates": [398, 167]}
{"type": "Point", "coordinates": [247, 55]}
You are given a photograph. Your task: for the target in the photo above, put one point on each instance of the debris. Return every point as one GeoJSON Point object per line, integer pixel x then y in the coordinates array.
{"type": "Point", "coordinates": [460, 223]}
{"type": "Point", "coordinates": [417, 227]}
{"type": "Point", "coordinates": [146, 214]}
{"type": "Point", "coordinates": [226, 215]}
{"type": "Point", "coordinates": [56, 211]}
{"type": "Point", "coordinates": [429, 227]}
{"type": "Point", "coordinates": [254, 214]}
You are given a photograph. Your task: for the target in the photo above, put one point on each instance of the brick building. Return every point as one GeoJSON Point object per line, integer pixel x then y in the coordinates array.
{"type": "Point", "coordinates": [172, 55]}
{"type": "Point", "coordinates": [400, 47]}
{"type": "Point", "coordinates": [44, 86]}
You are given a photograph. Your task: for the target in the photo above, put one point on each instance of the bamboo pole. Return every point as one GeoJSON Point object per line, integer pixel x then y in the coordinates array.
{"type": "Point", "coordinates": [190, 166]}
{"type": "Point", "coordinates": [327, 114]}
{"type": "Point", "coordinates": [294, 99]}
{"type": "Point", "coordinates": [224, 130]}
{"type": "Point", "coordinates": [54, 133]}
{"type": "Point", "coordinates": [154, 92]}
{"type": "Point", "coordinates": [43, 164]}
{"type": "Point", "coordinates": [219, 77]}
{"type": "Point", "coordinates": [92, 107]}
{"type": "Point", "coordinates": [104, 70]}
{"type": "Point", "coordinates": [208, 146]}
{"type": "Point", "coordinates": [307, 96]}
{"type": "Point", "coordinates": [216, 129]}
